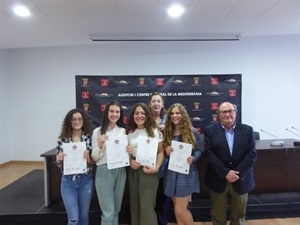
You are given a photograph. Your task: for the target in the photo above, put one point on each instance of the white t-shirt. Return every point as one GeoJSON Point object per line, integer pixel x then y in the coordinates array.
{"type": "Point", "coordinates": [133, 137]}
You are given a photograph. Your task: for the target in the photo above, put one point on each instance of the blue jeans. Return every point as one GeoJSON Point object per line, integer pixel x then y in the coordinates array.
{"type": "Point", "coordinates": [77, 195]}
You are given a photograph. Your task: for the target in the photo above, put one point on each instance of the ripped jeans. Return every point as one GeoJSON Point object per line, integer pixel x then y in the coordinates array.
{"type": "Point", "coordinates": [77, 192]}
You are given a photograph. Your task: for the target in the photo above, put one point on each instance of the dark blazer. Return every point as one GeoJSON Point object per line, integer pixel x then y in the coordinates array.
{"type": "Point", "coordinates": [219, 160]}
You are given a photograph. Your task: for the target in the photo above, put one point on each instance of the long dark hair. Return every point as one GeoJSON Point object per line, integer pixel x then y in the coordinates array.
{"type": "Point", "coordinates": [66, 128]}
{"type": "Point", "coordinates": [105, 120]}
{"type": "Point", "coordinates": [150, 124]}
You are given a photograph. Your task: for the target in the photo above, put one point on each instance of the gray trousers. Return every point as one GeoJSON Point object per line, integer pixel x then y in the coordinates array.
{"type": "Point", "coordinates": [110, 186]}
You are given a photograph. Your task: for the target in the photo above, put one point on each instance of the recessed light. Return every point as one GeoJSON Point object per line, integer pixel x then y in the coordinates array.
{"type": "Point", "coordinates": [21, 11]}
{"type": "Point", "coordinates": [175, 11]}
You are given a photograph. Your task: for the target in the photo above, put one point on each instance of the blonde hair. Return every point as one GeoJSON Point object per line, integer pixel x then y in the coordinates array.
{"type": "Point", "coordinates": [186, 127]}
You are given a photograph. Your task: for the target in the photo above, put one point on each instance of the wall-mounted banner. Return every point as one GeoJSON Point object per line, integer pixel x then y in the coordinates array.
{"type": "Point", "coordinates": [200, 94]}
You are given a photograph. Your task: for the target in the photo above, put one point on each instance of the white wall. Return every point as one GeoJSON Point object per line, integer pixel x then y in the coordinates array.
{"type": "Point", "coordinates": [5, 131]}
{"type": "Point", "coordinates": [40, 86]}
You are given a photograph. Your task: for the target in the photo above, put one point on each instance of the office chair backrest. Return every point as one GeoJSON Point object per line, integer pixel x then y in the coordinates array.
{"type": "Point", "coordinates": [256, 135]}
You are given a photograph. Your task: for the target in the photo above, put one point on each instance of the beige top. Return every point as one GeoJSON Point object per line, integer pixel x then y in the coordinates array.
{"type": "Point", "coordinates": [99, 154]}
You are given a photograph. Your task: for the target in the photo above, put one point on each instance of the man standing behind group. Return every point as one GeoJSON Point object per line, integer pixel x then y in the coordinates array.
{"type": "Point", "coordinates": [231, 154]}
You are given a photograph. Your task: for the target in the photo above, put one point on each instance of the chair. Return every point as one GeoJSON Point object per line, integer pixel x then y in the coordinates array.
{"type": "Point", "coordinates": [256, 135]}
{"type": "Point", "coordinates": [202, 141]}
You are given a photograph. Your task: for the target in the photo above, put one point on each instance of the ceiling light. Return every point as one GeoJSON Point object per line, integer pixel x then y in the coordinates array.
{"type": "Point", "coordinates": [165, 37]}
{"type": "Point", "coordinates": [21, 11]}
{"type": "Point", "coordinates": [175, 10]}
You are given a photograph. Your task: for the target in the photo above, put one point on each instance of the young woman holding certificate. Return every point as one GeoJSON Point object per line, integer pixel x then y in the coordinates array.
{"type": "Point", "coordinates": [74, 148]}
{"type": "Point", "coordinates": [109, 143]}
{"type": "Point", "coordinates": [181, 138]}
{"type": "Point", "coordinates": [146, 150]}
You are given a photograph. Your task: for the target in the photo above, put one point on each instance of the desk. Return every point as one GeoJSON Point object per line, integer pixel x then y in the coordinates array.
{"type": "Point", "coordinates": [277, 170]}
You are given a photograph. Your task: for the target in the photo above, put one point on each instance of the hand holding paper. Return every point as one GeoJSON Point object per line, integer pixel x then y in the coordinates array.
{"type": "Point", "coordinates": [74, 160]}
{"type": "Point", "coordinates": [117, 155]}
{"type": "Point", "coordinates": [147, 151]}
{"type": "Point", "coordinates": [178, 161]}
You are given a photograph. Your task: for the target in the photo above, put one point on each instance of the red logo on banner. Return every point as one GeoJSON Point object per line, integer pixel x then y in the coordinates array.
{"type": "Point", "coordinates": [214, 81]}
{"type": "Point", "coordinates": [85, 95]}
{"type": "Point", "coordinates": [159, 81]}
{"type": "Point", "coordinates": [232, 93]}
{"type": "Point", "coordinates": [102, 107]}
{"type": "Point", "coordinates": [214, 105]}
{"type": "Point", "coordinates": [104, 82]}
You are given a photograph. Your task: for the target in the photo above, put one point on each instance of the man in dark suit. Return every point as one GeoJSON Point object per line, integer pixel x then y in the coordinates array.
{"type": "Point", "coordinates": [231, 155]}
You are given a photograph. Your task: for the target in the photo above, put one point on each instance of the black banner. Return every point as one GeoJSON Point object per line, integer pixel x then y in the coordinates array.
{"type": "Point", "coordinates": [200, 94]}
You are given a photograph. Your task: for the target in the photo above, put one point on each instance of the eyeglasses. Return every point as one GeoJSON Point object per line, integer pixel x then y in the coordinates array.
{"type": "Point", "coordinates": [230, 111]}
{"type": "Point", "coordinates": [79, 120]}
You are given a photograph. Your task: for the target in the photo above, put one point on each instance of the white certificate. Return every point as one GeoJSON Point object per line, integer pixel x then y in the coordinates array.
{"type": "Point", "coordinates": [146, 151]}
{"type": "Point", "coordinates": [178, 157]}
{"type": "Point", "coordinates": [74, 161]}
{"type": "Point", "coordinates": [117, 156]}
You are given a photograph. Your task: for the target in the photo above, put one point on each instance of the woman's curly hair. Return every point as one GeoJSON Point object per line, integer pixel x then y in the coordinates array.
{"type": "Point", "coordinates": [66, 128]}
{"type": "Point", "coordinates": [186, 127]}
{"type": "Point", "coordinates": [150, 124]}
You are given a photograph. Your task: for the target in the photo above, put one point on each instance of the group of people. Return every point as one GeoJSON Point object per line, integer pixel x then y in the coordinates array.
{"type": "Point", "coordinates": [153, 189]}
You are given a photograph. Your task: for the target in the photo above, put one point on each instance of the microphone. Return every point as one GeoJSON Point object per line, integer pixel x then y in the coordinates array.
{"type": "Point", "coordinates": [292, 132]}
{"type": "Point", "coordinates": [295, 128]}
{"type": "Point", "coordinates": [296, 143]}
{"type": "Point", "coordinates": [274, 143]}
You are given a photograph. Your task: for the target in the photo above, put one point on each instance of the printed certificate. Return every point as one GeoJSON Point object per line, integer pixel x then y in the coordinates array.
{"type": "Point", "coordinates": [117, 156]}
{"type": "Point", "coordinates": [178, 157]}
{"type": "Point", "coordinates": [147, 151]}
{"type": "Point", "coordinates": [74, 161]}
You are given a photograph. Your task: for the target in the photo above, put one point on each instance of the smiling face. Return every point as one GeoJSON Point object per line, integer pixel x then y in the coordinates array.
{"type": "Point", "coordinates": [139, 117]}
{"type": "Point", "coordinates": [77, 121]}
{"type": "Point", "coordinates": [114, 113]}
{"type": "Point", "coordinates": [176, 116]}
{"type": "Point", "coordinates": [227, 115]}
{"type": "Point", "coordinates": [156, 104]}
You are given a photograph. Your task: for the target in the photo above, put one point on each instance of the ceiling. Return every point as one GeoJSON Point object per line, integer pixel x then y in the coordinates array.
{"type": "Point", "coordinates": [70, 22]}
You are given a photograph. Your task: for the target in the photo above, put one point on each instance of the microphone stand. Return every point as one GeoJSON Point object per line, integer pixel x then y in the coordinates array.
{"type": "Point", "coordinates": [295, 128]}
{"type": "Point", "coordinates": [276, 143]}
{"type": "Point", "coordinates": [296, 143]}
